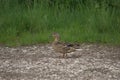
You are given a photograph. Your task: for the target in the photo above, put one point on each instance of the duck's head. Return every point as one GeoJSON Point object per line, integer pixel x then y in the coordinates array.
{"type": "Point", "coordinates": [56, 36]}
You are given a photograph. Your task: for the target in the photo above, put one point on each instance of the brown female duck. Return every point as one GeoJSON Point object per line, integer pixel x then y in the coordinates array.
{"type": "Point", "coordinates": [62, 47]}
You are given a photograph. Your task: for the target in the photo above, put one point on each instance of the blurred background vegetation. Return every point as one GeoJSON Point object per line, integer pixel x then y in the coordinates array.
{"type": "Point", "coordinates": [24, 22]}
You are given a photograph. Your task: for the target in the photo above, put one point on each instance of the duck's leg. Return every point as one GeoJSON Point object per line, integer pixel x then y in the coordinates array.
{"type": "Point", "coordinates": [65, 55]}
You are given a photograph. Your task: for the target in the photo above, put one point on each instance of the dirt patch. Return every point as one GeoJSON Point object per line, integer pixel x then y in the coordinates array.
{"type": "Point", "coordinates": [40, 62]}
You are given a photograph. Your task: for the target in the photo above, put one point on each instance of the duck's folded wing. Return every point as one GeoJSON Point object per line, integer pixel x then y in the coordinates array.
{"type": "Point", "coordinates": [73, 45]}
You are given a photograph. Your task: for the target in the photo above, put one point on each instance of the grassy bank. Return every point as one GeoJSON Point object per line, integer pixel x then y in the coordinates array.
{"type": "Point", "coordinates": [21, 26]}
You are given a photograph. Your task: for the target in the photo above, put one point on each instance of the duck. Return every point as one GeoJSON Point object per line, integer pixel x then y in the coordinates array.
{"type": "Point", "coordinates": [62, 47]}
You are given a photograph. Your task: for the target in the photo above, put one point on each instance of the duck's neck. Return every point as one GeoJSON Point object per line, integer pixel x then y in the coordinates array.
{"type": "Point", "coordinates": [56, 39]}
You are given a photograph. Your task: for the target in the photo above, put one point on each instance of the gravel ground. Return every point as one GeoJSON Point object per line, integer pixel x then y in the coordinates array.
{"type": "Point", "coordinates": [40, 62]}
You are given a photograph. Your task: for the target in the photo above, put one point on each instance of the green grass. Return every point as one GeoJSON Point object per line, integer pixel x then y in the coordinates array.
{"type": "Point", "coordinates": [19, 26]}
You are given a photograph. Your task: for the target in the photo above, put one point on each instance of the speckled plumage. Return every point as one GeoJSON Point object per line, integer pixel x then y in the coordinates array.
{"type": "Point", "coordinates": [61, 47]}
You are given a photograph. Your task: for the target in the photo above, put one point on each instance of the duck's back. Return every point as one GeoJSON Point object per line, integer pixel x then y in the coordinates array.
{"type": "Point", "coordinates": [62, 48]}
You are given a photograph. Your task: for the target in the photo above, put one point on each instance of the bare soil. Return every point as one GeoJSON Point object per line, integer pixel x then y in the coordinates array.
{"type": "Point", "coordinates": [40, 62]}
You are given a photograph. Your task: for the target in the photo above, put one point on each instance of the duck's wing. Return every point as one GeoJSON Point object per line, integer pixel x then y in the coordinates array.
{"type": "Point", "coordinates": [66, 47]}
{"type": "Point", "coordinates": [73, 45]}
